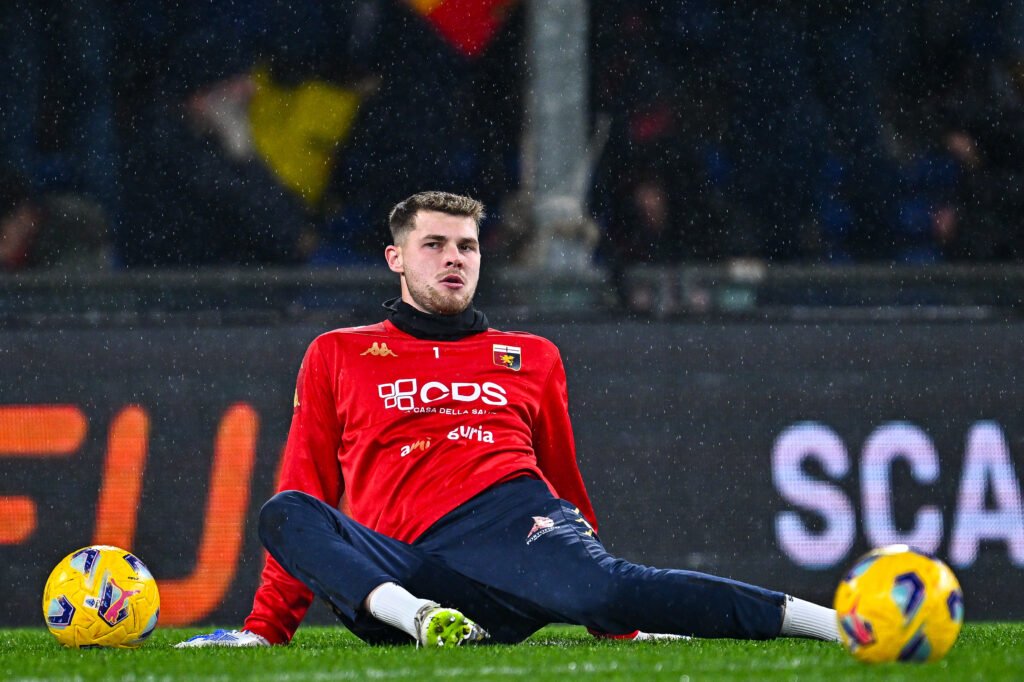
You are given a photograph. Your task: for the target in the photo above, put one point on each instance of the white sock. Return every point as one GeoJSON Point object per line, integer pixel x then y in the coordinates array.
{"type": "Point", "coordinates": [393, 604]}
{"type": "Point", "coordinates": [804, 619]}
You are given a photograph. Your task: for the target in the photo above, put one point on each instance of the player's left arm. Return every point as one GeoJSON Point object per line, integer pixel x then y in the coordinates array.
{"type": "Point", "coordinates": [555, 446]}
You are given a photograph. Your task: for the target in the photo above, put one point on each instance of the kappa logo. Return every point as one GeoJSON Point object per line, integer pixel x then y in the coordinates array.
{"type": "Point", "coordinates": [542, 525]}
{"type": "Point", "coordinates": [380, 350]}
{"type": "Point", "coordinates": [579, 519]}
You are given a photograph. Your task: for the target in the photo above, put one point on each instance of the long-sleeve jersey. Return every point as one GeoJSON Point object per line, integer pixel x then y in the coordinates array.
{"type": "Point", "coordinates": [408, 429]}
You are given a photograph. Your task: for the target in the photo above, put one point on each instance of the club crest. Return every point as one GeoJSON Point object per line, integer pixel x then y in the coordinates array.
{"type": "Point", "coordinates": [509, 357]}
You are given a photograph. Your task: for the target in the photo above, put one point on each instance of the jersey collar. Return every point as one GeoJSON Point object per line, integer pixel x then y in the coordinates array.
{"type": "Point", "coordinates": [435, 327]}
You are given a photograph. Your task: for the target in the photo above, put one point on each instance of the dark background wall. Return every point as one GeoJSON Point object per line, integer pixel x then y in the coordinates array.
{"type": "Point", "coordinates": [773, 452]}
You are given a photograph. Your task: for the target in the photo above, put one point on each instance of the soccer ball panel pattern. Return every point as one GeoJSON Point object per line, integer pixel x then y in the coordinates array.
{"type": "Point", "coordinates": [101, 596]}
{"type": "Point", "coordinates": [897, 604]}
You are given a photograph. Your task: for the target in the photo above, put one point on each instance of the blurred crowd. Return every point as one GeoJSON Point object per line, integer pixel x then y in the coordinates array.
{"type": "Point", "coordinates": [192, 132]}
{"type": "Point", "coordinates": [885, 131]}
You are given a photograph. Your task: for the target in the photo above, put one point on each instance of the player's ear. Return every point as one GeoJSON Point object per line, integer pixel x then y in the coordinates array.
{"type": "Point", "coordinates": [393, 255]}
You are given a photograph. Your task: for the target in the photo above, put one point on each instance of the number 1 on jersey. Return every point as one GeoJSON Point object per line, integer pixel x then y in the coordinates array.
{"type": "Point", "coordinates": [437, 355]}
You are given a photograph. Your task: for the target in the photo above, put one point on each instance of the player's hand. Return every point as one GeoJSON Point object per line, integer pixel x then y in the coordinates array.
{"type": "Point", "coordinates": [224, 638]}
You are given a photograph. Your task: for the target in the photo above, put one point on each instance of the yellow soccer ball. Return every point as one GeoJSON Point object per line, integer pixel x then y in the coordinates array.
{"type": "Point", "coordinates": [897, 604]}
{"type": "Point", "coordinates": [101, 596]}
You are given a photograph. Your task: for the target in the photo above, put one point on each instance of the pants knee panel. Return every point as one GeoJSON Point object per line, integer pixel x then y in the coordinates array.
{"type": "Point", "coordinates": [276, 513]}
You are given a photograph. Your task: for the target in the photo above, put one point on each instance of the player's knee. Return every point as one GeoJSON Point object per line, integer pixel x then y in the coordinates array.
{"type": "Point", "coordinates": [276, 514]}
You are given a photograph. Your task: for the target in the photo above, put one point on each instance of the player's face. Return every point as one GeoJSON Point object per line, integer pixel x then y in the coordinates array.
{"type": "Point", "coordinates": [439, 261]}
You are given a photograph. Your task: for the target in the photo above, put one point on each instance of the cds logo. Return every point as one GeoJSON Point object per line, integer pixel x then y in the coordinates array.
{"type": "Point", "coordinates": [407, 395]}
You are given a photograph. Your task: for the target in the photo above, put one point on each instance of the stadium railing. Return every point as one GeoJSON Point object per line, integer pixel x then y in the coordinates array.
{"type": "Point", "coordinates": [265, 295]}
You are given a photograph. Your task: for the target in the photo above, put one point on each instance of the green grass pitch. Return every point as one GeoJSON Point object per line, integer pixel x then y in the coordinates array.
{"type": "Point", "coordinates": [985, 651]}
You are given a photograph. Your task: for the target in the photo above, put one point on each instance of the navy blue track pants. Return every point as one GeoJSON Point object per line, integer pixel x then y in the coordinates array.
{"type": "Point", "coordinates": [514, 559]}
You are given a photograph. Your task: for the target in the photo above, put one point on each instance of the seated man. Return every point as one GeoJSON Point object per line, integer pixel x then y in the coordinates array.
{"type": "Point", "coordinates": [452, 445]}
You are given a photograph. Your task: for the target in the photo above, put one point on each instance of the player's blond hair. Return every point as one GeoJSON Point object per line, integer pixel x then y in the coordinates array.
{"type": "Point", "coordinates": [402, 219]}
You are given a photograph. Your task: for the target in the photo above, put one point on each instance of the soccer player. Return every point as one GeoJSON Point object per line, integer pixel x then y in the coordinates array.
{"type": "Point", "coordinates": [448, 445]}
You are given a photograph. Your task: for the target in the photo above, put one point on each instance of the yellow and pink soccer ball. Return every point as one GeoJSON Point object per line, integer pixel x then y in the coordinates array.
{"type": "Point", "coordinates": [101, 596]}
{"type": "Point", "coordinates": [897, 604]}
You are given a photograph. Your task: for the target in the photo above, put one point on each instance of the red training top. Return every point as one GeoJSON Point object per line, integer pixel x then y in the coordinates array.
{"type": "Point", "coordinates": [409, 429]}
